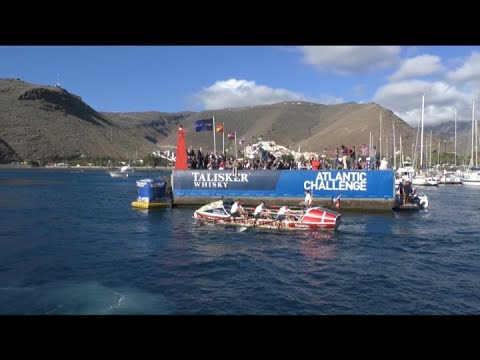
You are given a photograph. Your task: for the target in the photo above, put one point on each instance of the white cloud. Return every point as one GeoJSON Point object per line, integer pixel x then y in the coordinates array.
{"type": "Point", "coordinates": [404, 98]}
{"type": "Point", "coordinates": [238, 93]}
{"type": "Point", "coordinates": [359, 89]}
{"type": "Point", "coordinates": [344, 60]}
{"type": "Point", "coordinates": [328, 100]}
{"type": "Point", "coordinates": [468, 72]}
{"type": "Point", "coordinates": [418, 66]}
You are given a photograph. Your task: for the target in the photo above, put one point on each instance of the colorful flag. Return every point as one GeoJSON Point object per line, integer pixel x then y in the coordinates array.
{"type": "Point", "coordinates": [204, 125]}
{"type": "Point", "coordinates": [219, 128]}
{"type": "Point", "coordinates": [231, 135]}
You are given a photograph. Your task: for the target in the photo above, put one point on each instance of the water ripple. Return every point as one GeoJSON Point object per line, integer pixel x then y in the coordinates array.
{"type": "Point", "coordinates": [74, 245]}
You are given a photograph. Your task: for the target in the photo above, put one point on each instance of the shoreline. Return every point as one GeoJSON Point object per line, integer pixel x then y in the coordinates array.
{"type": "Point", "coordinates": [18, 166]}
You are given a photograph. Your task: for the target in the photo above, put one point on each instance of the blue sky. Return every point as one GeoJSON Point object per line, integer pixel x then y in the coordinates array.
{"type": "Point", "coordinates": [178, 78]}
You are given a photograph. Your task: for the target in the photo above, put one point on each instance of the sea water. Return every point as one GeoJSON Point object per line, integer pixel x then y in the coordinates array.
{"type": "Point", "coordinates": [70, 243]}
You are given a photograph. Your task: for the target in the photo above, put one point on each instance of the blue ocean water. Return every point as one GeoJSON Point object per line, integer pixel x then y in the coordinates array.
{"type": "Point", "coordinates": [70, 243]}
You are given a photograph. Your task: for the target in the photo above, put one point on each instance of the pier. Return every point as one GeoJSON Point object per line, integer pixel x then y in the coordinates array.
{"type": "Point", "coordinates": [357, 189]}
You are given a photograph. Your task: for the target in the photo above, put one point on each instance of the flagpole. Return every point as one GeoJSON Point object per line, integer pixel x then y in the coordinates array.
{"type": "Point", "coordinates": [223, 135]}
{"type": "Point", "coordinates": [214, 143]}
{"type": "Point", "coordinates": [236, 154]}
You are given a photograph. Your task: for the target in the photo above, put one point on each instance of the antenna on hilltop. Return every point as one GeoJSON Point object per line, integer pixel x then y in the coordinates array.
{"type": "Point", "coordinates": [58, 80]}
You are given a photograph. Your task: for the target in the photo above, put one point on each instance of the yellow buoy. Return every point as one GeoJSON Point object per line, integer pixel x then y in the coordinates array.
{"type": "Point", "coordinates": [150, 205]}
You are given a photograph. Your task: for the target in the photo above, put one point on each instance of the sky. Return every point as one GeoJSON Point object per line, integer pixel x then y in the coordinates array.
{"type": "Point", "coordinates": [196, 78]}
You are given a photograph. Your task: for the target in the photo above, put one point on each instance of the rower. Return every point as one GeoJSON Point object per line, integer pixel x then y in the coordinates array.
{"type": "Point", "coordinates": [237, 210]}
{"type": "Point", "coordinates": [260, 211]}
{"type": "Point", "coordinates": [283, 212]}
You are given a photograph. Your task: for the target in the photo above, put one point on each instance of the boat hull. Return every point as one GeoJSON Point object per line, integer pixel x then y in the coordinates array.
{"type": "Point", "coordinates": [313, 219]}
{"type": "Point", "coordinates": [118, 174]}
{"type": "Point", "coordinates": [406, 207]}
{"type": "Point", "coordinates": [419, 202]}
{"type": "Point", "coordinates": [471, 182]}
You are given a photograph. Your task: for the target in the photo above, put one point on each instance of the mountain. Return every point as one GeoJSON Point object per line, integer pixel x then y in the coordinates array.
{"type": "Point", "coordinates": [39, 122]}
{"type": "Point", "coordinates": [446, 131]}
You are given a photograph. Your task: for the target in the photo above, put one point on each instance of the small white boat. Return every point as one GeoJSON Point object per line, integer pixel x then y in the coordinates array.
{"type": "Point", "coordinates": [315, 218]}
{"type": "Point", "coordinates": [450, 178]}
{"type": "Point", "coordinates": [423, 180]}
{"type": "Point", "coordinates": [471, 177]}
{"type": "Point", "coordinates": [123, 172]}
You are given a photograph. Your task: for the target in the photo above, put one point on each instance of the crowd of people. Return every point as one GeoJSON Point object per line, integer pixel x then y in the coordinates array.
{"type": "Point", "coordinates": [336, 159]}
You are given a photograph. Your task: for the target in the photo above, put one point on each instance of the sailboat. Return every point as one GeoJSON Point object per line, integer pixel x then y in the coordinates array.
{"type": "Point", "coordinates": [451, 177]}
{"type": "Point", "coordinates": [472, 175]}
{"type": "Point", "coordinates": [422, 178]}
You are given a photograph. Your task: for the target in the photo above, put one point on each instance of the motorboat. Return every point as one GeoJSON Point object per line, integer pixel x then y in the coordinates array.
{"type": "Point", "coordinates": [450, 178]}
{"type": "Point", "coordinates": [123, 172]}
{"type": "Point", "coordinates": [424, 180]}
{"type": "Point", "coordinates": [417, 202]}
{"type": "Point", "coordinates": [314, 218]}
{"type": "Point", "coordinates": [471, 177]}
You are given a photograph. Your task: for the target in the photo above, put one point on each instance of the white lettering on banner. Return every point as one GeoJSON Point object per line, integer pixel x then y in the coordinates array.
{"type": "Point", "coordinates": [205, 184]}
{"type": "Point", "coordinates": [343, 181]}
{"type": "Point", "coordinates": [216, 180]}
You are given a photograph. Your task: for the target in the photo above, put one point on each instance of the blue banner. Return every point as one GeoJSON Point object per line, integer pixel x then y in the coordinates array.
{"type": "Point", "coordinates": [349, 184]}
{"type": "Point", "coordinates": [204, 125]}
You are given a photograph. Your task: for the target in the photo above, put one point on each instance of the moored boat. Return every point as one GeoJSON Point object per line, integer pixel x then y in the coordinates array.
{"type": "Point", "coordinates": [123, 172]}
{"type": "Point", "coordinates": [315, 218]}
{"type": "Point", "coordinates": [471, 177]}
{"type": "Point", "coordinates": [450, 178]}
{"type": "Point", "coordinates": [418, 202]}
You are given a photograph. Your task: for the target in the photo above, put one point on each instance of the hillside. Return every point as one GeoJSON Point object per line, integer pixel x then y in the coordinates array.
{"type": "Point", "coordinates": [311, 126]}
{"type": "Point", "coordinates": [46, 122]}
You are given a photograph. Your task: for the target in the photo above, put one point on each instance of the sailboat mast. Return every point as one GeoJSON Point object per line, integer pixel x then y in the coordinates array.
{"type": "Point", "coordinates": [455, 137]}
{"type": "Point", "coordinates": [401, 152]}
{"type": "Point", "coordinates": [438, 153]}
{"type": "Point", "coordinates": [473, 121]}
{"type": "Point", "coordinates": [421, 133]}
{"type": "Point", "coordinates": [380, 137]}
{"type": "Point", "coordinates": [430, 153]}
{"type": "Point", "coordinates": [370, 146]}
{"type": "Point", "coordinates": [476, 139]}
{"type": "Point", "coordinates": [394, 148]}
{"type": "Point", "coordinates": [386, 147]}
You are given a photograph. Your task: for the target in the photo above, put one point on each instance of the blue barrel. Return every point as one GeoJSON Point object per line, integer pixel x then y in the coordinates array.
{"type": "Point", "coordinates": [151, 190]}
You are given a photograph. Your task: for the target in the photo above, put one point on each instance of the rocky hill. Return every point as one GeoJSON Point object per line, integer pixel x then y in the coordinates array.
{"type": "Point", "coordinates": [47, 122]}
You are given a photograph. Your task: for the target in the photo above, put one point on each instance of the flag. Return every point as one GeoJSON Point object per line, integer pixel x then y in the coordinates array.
{"type": "Point", "coordinates": [204, 125]}
{"type": "Point", "coordinates": [219, 128]}
{"type": "Point", "coordinates": [231, 135]}
{"type": "Point", "coordinates": [336, 201]}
